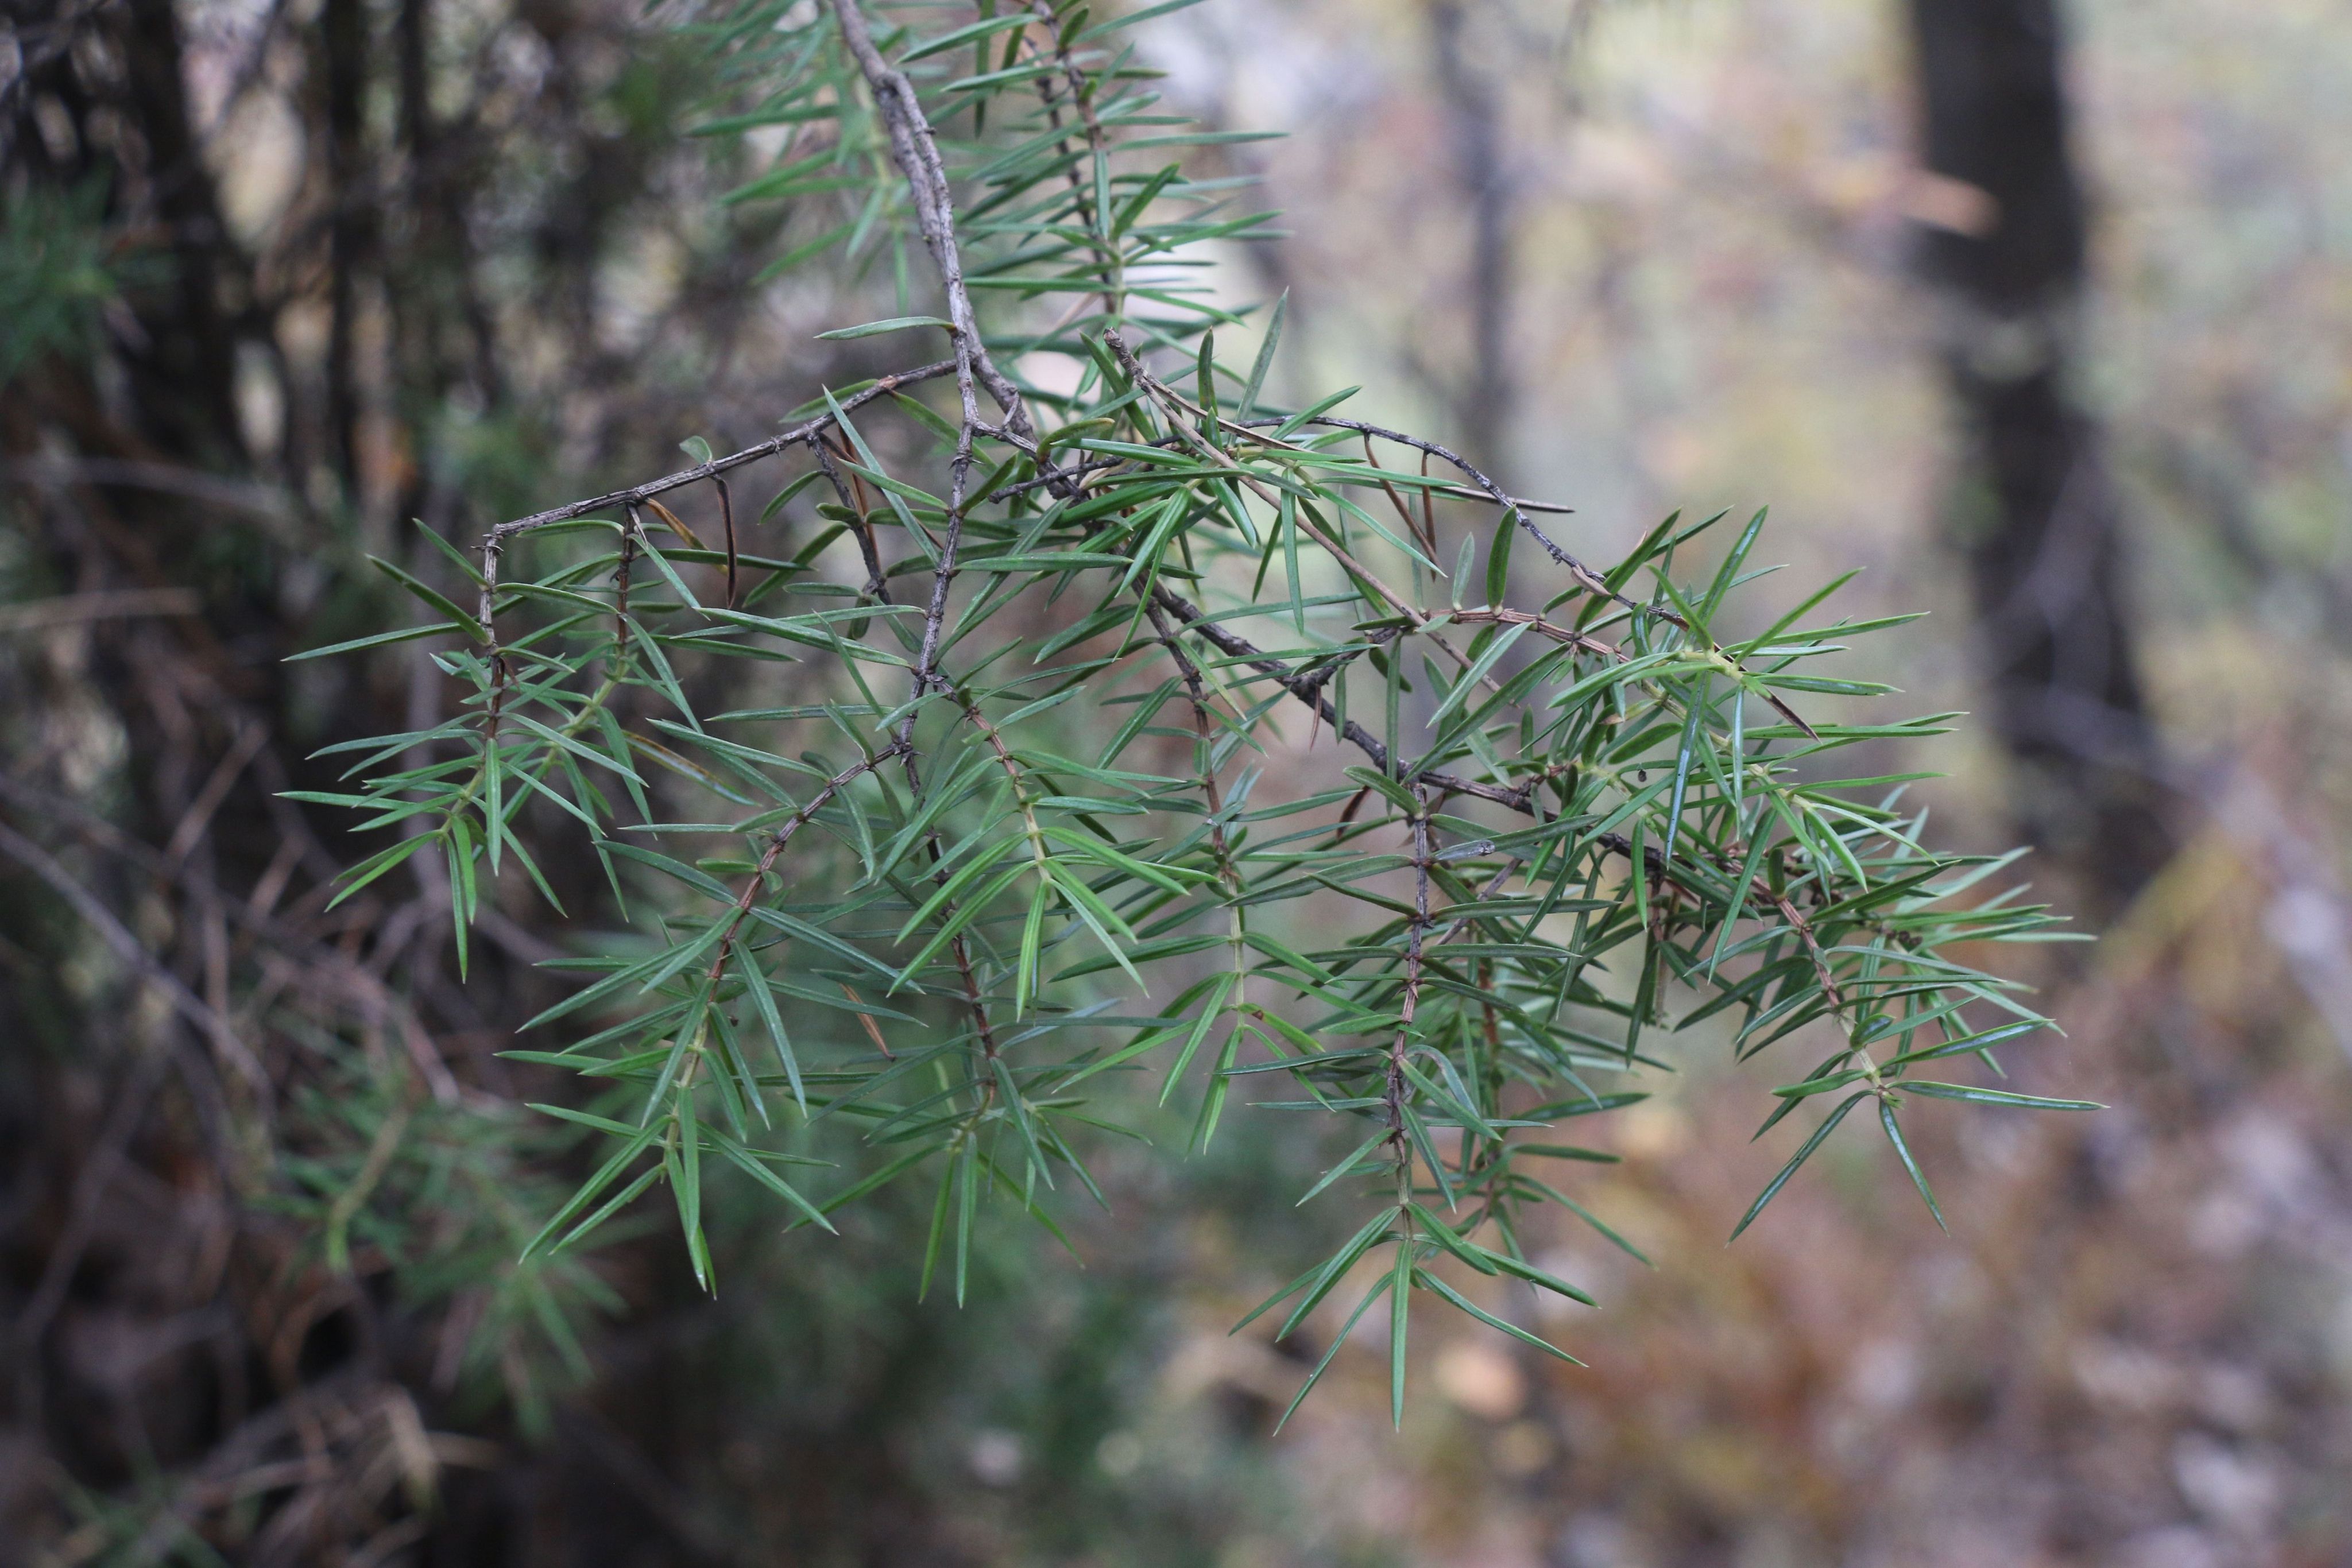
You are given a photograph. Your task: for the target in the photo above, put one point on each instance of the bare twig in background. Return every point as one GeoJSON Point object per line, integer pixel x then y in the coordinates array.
{"type": "Point", "coordinates": [113, 604]}
{"type": "Point", "coordinates": [233, 1050]}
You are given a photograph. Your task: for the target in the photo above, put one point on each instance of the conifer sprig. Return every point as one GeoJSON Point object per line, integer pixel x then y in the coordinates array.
{"type": "Point", "coordinates": [1140, 725]}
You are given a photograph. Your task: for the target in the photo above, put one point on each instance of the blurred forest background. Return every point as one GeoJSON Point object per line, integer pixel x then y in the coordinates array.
{"type": "Point", "coordinates": [2042, 321]}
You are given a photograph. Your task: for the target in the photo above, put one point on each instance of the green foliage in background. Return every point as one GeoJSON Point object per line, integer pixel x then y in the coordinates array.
{"type": "Point", "coordinates": [1112, 724]}
{"type": "Point", "coordinates": [58, 269]}
{"type": "Point", "coordinates": [447, 1194]}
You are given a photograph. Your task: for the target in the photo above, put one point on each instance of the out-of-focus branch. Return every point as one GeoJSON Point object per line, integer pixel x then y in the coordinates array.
{"type": "Point", "coordinates": [134, 956]}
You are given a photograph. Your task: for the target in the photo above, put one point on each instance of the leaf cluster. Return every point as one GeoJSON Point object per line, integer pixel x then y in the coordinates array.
{"type": "Point", "coordinates": [1129, 725]}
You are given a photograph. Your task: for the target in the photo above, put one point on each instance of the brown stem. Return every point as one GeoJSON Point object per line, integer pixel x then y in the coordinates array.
{"type": "Point", "coordinates": [727, 520]}
{"type": "Point", "coordinates": [876, 584]}
{"type": "Point", "coordinates": [971, 992]}
{"type": "Point", "coordinates": [916, 151]}
{"type": "Point", "coordinates": [718, 466]}
{"type": "Point", "coordinates": [1396, 1090]}
{"type": "Point", "coordinates": [629, 543]}
{"type": "Point", "coordinates": [1081, 100]}
{"type": "Point", "coordinates": [501, 668]}
{"type": "Point", "coordinates": [777, 840]}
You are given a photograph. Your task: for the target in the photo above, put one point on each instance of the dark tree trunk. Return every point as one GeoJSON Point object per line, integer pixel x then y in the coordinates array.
{"type": "Point", "coordinates": [2033, 507]}
{"type": "Point", "coordinates": [344, 38]}
{"type": "Point", "coordinates": [184, 370]}
{"type": "Point", "coordinates": [1484, 393]}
